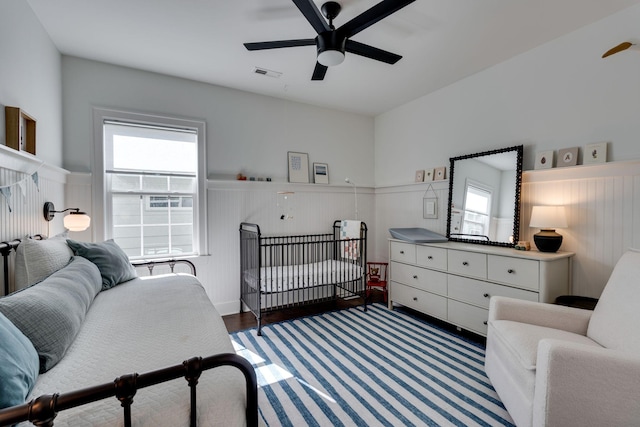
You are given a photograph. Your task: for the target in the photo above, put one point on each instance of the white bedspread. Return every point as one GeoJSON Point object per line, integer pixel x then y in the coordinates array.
{"type": "Point", "coordinates": [288, 277]}
{"type": "Point", "coordinates": [146, 324]}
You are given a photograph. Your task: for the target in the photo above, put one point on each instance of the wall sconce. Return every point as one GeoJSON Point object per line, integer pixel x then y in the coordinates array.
{"type": "Point", "coordinates": [548, 218]}
{"type": "Point", "coordinates": [75, 221]}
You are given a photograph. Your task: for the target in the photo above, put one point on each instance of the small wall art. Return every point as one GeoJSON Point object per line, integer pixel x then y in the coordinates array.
{"type": "Point", "coordinates": [298, 167]}
{"type": "Point", "coordinates": [544, 159]}
{"type": "Point", "coordinates": [568, 157]}
{"type": "Point", "coordinates": [595, 153]}
{"type": "Point", "coordinates": [419, 176]}
{"type": "Point", "coordinates": [440, 173]}
{"type": "Point", "coordinates": [320, 173]}
{"type": "Point", "coordinates": [428, 174]}
{"type": "Point", "coordinates": [430, 204]}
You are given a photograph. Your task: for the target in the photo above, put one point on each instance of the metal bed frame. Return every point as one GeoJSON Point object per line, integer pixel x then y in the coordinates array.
{"type": "Point", "coordinates": [295, 259]}
{"type": "Point", "coordinates": [42, 410]}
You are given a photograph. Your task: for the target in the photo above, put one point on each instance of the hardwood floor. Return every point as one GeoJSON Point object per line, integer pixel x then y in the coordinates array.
{"type": "Point", "coordinates": [241, 321]}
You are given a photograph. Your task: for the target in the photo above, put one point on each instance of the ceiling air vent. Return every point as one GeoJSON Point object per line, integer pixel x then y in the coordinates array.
{"type": "Point", "coordinates": [265, 72]}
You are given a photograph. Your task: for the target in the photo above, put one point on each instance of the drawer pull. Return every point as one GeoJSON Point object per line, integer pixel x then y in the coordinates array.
{"type": "Point", "coordinates": [486, 322]}
{"type": "Point", "coordinates": [511, 271]}
{"type": "Point", "coordinates": [402, 252]}
{"type": "Point", "coordinates": [415, 298]}
{"type": "Point", "coordinates": [429, 257]}
{"type": "Point", "coordinates": [465, 263]}
{"type": "Point", "coordinates": [415, 276]}
{"type": "Point", "coordinates": [486, 295]}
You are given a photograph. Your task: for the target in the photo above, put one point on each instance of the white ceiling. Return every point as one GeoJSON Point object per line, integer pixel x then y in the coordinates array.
{"type": "Point", "coordinates": [441, 41]}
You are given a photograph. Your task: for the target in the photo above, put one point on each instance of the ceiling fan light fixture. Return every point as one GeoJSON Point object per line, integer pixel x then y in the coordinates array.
{"type": "Point", "coordinates": [330, 57]}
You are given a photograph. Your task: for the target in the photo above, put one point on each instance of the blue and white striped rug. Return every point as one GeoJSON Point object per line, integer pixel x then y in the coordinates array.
{"type": "Point", "coordinates": [380, 367]}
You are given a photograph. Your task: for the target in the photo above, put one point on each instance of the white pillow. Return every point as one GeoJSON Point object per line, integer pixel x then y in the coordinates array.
{"type": "Point", "coordinates": [38, 259]}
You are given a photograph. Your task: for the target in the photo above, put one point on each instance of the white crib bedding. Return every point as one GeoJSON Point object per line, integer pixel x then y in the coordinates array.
{"type": "Point", "coordinates": [111, 345]}
{"type": "Point", "coordinates": [289, 277]}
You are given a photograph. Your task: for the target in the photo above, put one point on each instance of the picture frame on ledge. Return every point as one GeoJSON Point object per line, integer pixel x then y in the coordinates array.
{"type": "Point", "coordinates": [419, 176]}
{"type": "Point", "coordinates": [298, 167]}
{"type": "Point", "coordinates": [595, 153]}
{"type": "Point", "coordinates": [567, 157]}
{"type": "Point", "coordinates": [320, 173]}
{"type": "Point", "coordinates": [544, 160]}
{"type": "Point", "coordinates": [440, 173]}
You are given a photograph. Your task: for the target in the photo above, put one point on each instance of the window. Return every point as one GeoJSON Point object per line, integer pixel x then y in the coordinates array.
{"type": "Point", "coordinates": [153, 193]}
{"type": "Point", "coordinates": [477, 209]}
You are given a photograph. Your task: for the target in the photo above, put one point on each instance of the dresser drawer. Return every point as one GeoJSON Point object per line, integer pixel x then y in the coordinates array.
{"type": "Point", "coordinates": [403, 252]}
{"type": "Point", "coordinates": [519, 272]}
{"type": "Point", "coordinates": [431, 257]}
{"type": "Point", "coordinates": [421, 278]}
{"type": "Point", "coordinates": [467, 263]}
{"type": "Point", "coordinates": [468, 316]}
{"type": "Point", "coordinates": [425, 302]}
{"type": "Point", "coordinates": [478, 292]}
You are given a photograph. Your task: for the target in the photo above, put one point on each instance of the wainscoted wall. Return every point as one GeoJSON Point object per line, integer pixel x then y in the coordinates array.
{"type": "Point", "coordinates": [603, 213]}
{"type": "Point", "coordinates": [26, 217]}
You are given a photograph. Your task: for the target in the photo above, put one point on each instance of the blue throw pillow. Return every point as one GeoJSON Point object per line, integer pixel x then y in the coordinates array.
{"type": "Point", "coordinates": [113, 263]}
{"type": "Point", "coordinates": [18, 364]}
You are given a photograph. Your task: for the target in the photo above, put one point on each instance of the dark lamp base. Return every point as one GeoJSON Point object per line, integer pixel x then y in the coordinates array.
{"type": "Point", "coordinates": [547, 240]}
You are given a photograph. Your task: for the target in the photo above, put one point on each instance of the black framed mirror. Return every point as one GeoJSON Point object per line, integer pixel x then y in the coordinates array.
{"type": "Point", "coordinates": [484, 197]}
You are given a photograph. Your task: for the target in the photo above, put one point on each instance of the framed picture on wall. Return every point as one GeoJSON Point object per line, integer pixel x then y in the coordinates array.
{"type": "Point", "coordinates": [419, 176]}
{"type": "Point", "coordinates": [544, 159]}
{"type": "Point", "coordinates": [568, 156]}
{"type": "Point", "coordinates": [298, 167]}
{"type": "Point", "coordinates": [595, 153]}
{"type": "Point", "coordinates": [428, 174]}
{"type": "Point", "coordinates": [440, 173]}
{"type": "Point", "coordinates": [320, 173]}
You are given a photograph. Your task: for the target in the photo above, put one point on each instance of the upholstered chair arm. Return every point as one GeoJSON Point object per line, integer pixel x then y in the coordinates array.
{"type": "Point", "coordinates": [569, 319]}
{"type": "Point", "coordinates": [580, 385]}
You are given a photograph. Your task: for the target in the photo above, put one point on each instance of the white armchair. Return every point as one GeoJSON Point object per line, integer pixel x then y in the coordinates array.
{"type": "Point", "coordinates": [560, 366]}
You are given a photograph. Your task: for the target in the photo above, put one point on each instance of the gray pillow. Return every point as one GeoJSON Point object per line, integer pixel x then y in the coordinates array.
{"type": "Point", "coordinates": [38, 259]}
{"type": "Point", "coordinates": [113, 263]}
{"type": "Point", "coordinates": [50, 313]}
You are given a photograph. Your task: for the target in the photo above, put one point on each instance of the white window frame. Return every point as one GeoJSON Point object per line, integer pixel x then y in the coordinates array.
{"type": "Point", "coordinates": [482, 187]}
{"type": "Point", "coordinates": [102, 229]}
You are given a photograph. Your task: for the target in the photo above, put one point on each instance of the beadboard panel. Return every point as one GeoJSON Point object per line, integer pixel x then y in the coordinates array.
{"type": "Point", "coordinates": [26, 217]}
{"type": "Point", "coordinates": [600, 203]}
{"type": "Point", "coordinates": [402, 206]}
{"type": "Point", "coordinates": [314, 208]}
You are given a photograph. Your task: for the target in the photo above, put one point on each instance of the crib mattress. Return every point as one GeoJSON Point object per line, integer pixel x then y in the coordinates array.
{"type": "Point", "coordinates": [108, 346]}
{"type": "Point", "coordinates": [290, 277]}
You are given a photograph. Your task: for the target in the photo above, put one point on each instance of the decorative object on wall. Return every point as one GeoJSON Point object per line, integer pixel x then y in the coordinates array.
{"type": "Point", "coordinates": [547, 219]}
{"type": "Point", "coordinates": [419, 176]}
{"type": "Point", "coordinates": [428, 174]}
{"type": "Point", "coordinates": [320, 173]}
{"type": "Point", "coordinates": [331, 43]}
{"type": "Point", "coordinates": [440, 173]}
{"type": "Point", "coordinates": [75, 221]}
{"type": "Point", "coordinates": [298, 167]}
{"type": "Point", "coordinates": [6, 192]}
{"type": "Point", "coordinates": [619, 48]}
{"type": "Point", "coordinates": [285, 204]}
{"type": "Point", "coordinates": [355, 193]}
{"type": "Point", "coordinates": [544, 159]}
{"type": "Point", "coordinates": [568, 157]}
{"type": "Point", "coordinates": [20, 130]}
{"type": "Point", "coordinates": [595, 153]}
{"type": "Point", "coordinates": [430, 204]}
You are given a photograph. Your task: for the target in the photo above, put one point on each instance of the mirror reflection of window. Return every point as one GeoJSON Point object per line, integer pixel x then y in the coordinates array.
{"type": "Point", "coordinates": [477, 209]}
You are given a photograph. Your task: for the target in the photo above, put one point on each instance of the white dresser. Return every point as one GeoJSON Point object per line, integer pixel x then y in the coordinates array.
{"type": "Point", "coordinates": [454, 281]}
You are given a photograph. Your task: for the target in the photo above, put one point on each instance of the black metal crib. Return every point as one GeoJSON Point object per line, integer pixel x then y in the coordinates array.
{"type": "Point", "coordinates": [278, 272]}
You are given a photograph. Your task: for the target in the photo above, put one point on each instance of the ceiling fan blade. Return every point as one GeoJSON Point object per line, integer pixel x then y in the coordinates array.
{"type": "Point", "coordinates": [372, 15]}
{"type": "Point", "coordinates": [619, 48]}
{"type": "Point", "coordinates": [371, 52]}
{"type": "Point", "coordinates": [279, 44]}
{"type": "Point", "coordinates": [319, 72]}
{"type": "Point", "coordinates": [313, 15]}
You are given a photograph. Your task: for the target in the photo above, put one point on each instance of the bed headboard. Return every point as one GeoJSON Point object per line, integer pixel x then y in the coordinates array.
{"type": "Point", "coordinates": [5, 251]}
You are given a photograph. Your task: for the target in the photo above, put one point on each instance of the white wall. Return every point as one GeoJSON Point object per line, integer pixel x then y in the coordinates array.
{"type": "Point", "coordinates": [559, 95]}
{"type": "Point", "coordinates": [30, 77]}
{"type": "Point", "coordinates": [246, 133]}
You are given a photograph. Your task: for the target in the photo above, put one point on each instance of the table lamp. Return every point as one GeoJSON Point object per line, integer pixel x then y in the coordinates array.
{"type": "Point", "coordinates": [547, 219]}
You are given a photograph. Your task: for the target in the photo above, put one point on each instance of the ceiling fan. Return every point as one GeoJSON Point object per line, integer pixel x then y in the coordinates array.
{"type": "Point", "coordinates": [331, 43]}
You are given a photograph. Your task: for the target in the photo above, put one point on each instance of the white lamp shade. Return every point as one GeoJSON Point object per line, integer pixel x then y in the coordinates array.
{"type": "Point", "coordinates": [549, 217]}
{"type": "Point", "coordinates": [77, 222]}
{"type": "Point", "coordinates": [330, 57]}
